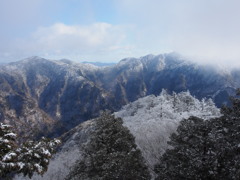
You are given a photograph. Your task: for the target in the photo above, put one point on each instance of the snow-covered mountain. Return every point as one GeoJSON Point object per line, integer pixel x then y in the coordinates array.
{"type": "Point", "coordinates": [133, 78]}
{"type": "Point", "coordinates": [49, 97]}
{"type": "Point", "coordinates": [40, 96]}
{"type": "Point", "coordinates": [99, 64]}
{"type": "Point", "coordinates": [150, 119]}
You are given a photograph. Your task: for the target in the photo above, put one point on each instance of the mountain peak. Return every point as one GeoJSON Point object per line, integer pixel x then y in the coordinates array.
{"type": "Point", "coordinates": [66, 61]}
{"type": "Point", "coordinates": [149, 56]}
{"type": "Point", "coordinates": [30, 60]}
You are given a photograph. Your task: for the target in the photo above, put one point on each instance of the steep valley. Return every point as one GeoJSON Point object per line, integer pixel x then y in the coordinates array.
{"type": "Point", "coordinates": [47, 97]}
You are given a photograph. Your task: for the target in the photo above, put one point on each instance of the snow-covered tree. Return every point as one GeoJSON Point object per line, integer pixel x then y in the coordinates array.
{"type": "Point", "coordinates": [190, 156]}
{"type": "Point", "coordinates": [111, 153]}
{"type": "Point", "coordinates": [7, 143]}
{"type": "Point", "coordinates": [175, 101]}
{"type": "Point", "coordinates": [7, 139]}
{"type": "Point", "coordinates": [30, 157]}
{"type": "Point", "coordinates": [158, 117]}
{"type": "Point", "coordinates": [204, 149]}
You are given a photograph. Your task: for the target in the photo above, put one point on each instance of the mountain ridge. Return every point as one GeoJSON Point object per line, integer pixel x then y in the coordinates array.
{"type": "Point", "coordinates": [67, 93]}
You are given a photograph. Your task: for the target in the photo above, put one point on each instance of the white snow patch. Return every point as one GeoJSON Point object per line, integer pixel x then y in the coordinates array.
{"type": "Point", "coordinates": [153, 119]}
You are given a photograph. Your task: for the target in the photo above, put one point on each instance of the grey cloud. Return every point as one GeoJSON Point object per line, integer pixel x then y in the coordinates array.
{"type": "Point", "coordinates": [201, 29]}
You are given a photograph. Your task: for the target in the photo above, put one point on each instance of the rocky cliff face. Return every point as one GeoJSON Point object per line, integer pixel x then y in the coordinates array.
{"type": "Point", "coordinates": [39, 96]}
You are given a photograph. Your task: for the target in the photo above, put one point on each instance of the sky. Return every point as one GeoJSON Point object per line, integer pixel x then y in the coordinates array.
{"type": "Point", "coordinates": [110, 30]}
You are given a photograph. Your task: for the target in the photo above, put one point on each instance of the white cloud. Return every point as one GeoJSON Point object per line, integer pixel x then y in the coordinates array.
{"type": "Point", "coordinates": [73, 41]}
{"type": "Point", "coordinates": [202, 29]}
{"type": "Point", "coordinates": [60, 36]}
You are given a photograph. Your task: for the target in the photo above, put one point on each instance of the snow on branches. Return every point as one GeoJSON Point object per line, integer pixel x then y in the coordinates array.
{"type": "Point", "coordinates": [30, 157]}
{"type": "Point", "coordinates": [153, 119]}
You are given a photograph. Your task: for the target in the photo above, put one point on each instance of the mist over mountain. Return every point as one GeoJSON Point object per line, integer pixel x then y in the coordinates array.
{"type": "Point", "coordinates": [81, 98]}
{"type": "Point", "coordinates": [100, 64]}
{"type": "Point", "coordinates": [40, 96]}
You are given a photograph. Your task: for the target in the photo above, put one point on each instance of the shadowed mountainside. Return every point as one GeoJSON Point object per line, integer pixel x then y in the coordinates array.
{"type": "Point", "coordinates": [40, 96]}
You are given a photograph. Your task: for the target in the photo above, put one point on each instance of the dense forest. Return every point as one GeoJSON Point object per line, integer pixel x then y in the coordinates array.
{"type": "Point", "coordinates": [165, 137]}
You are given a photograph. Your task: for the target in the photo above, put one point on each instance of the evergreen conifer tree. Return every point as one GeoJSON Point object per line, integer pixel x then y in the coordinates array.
{"type": "Point", "coordinates": [188, 158]}
{"type": "Point", "coordinates": [205, 149]}
{"type": "Point", "coordinates": [27, 158]}
{"type": "Point", "coordinates": [110, 154]}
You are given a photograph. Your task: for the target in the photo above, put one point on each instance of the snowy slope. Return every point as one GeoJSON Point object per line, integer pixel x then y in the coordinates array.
{"type": "Point", "coordinates": [153, 119]}
{"type": "Point", "coordinates": [69, 153]}
{"type": "Point", "coordinates": [150, 119]}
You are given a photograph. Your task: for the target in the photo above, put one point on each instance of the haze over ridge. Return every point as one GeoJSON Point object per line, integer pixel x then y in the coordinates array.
{"type": "Point", "coordinates": [107, 31]}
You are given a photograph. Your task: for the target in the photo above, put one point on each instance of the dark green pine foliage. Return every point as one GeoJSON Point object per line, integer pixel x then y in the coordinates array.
{"type": "Point", "coordinates": [187, 159]}
{"type": "Point", "coordinates": [7, 139]}
{"type": "Point", "coordinates": [7, 144]}
{"type": "Point", "coordinates": [110, 154]}
{"type": "Point", "coordinates": [227, 132]}
{"type": "Point", "coordinates": [204, 149]}
{"type": "Point", "coordinates": [27, 158]}
{"type": "Point", "coordinates": [35, 156]}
